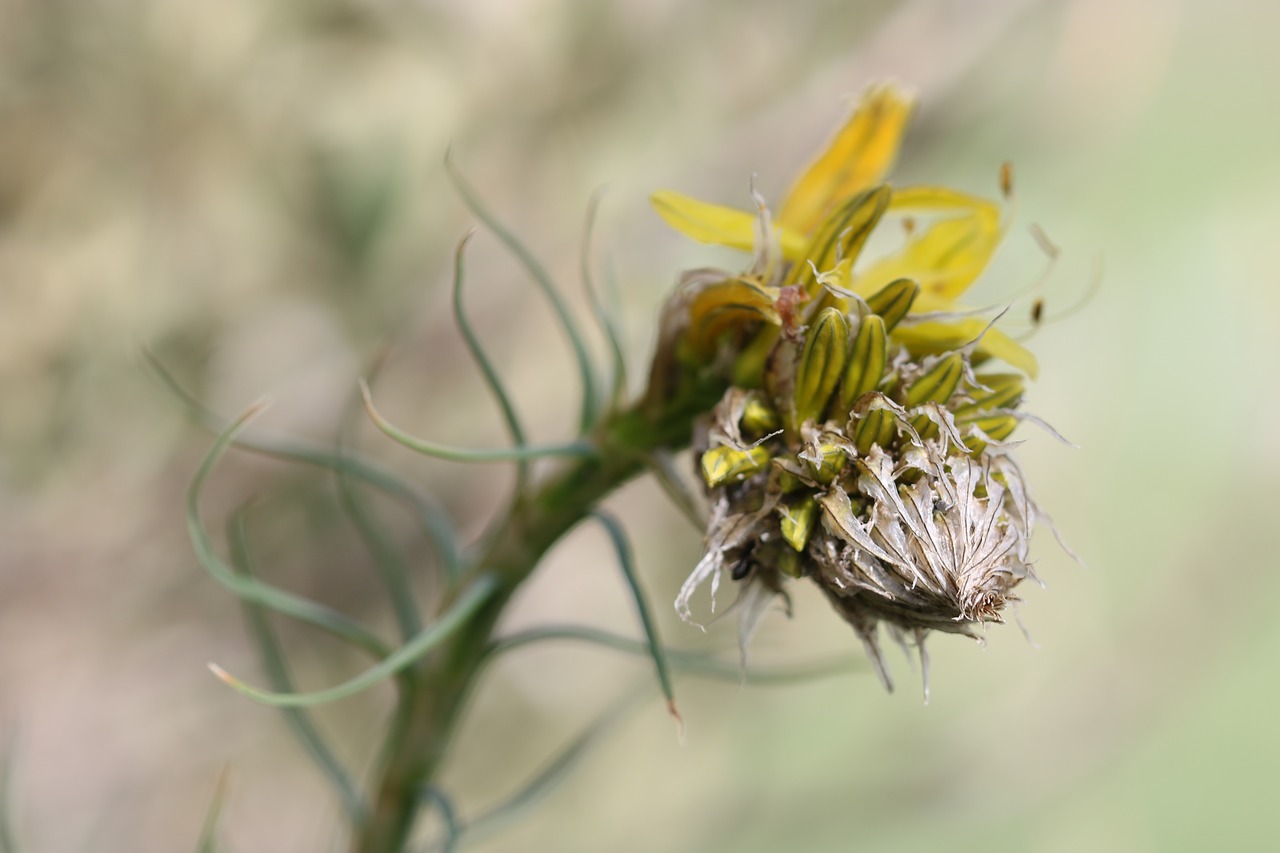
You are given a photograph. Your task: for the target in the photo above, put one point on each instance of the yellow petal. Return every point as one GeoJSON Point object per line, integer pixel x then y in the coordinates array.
{"type": "Point", "coordinates": [944, 260]}
{"type": "Point", "coordinates": [719, 225]}
{"type": "Point", "coordinates": [731, 302]}
{"type": "Point", "coordinates": [939, 336]}
{"type": "Point", "coordinates": [859, 155]}
{"type": "Point", "coordinates": [940, 199]}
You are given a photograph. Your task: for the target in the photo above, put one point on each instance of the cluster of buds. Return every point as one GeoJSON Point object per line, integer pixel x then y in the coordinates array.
{"type": "Point", "coordinates": [862, 441]}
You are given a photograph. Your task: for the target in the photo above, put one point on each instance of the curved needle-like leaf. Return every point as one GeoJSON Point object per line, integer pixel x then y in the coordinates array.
{"type": "Point", "coordinates": [608, 323]}
{"type": "Point", "coordinates": [208, 842]}
{"type": "Point", "coordinates": [491, 377]}
{"type": "Point", "coordinates": [388, 560]}
{"type": "Point", "coordinates": [554, 772]}
{"type": "Point", "coordinates": [8, 835]}
{"type": "Point", "coordinates": [432, 516]}
{"type": "Point", "coordinates": [545, 284]}
{"type": "Point", "coordinates": [273, 661]}
{"type": "Point", "coordinates": [622, 547]}
{"type": "Point", "coordinates": [252, 589]}
{"type": "Point", "coordinates": [448, 817]}
{"type": "Point", "coordinates": [697, 664]}
{"type": "Point", "coordinates": [461, 454]}
{"type": "Point", "coordinates": [662, 466]}
{"type": "Point", "coordinates": [454, 618]}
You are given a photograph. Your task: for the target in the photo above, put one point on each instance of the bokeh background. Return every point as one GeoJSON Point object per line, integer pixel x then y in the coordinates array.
{"type": "Point", "coordinates": [255, 192]}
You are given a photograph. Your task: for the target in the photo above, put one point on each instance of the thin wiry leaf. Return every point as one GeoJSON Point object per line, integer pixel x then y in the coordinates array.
{"type": "Point", "coordinates": [546, 780]}
{"type": "Point", "coordinates": [664, 471]}
{"type": "Point", "coordinates": [458, 614]}
{"type": "Point", "coordinates": [431, 515]}
{"type": "Point", "coordinates": [449, 817]}
{"type": "Point", "coordinates": [8, 759]}
{"type": "Point", "coordinates": [462, 454]}
{"type": "Point", "coordinates": [277, 669]}
{"type": "Point", "coordinates": [251, 589]}
{"type": "Point", "coordinates": [208, 842]}
{"type": "Point", "coordinates": [387, 559]}
{"type": "Point", "coordinates": [696, 664]}
{"type": "Point", "coordinates": [609, 323]}
{"type": "Point", "coordinates": [491, 378]}
{"type": "Point", "coordinates": [623, 550]}
{"type": "Point", "coordinates": [545, 284]}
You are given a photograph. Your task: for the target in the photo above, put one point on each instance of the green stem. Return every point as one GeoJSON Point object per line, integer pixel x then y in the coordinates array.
{"type": "Point", "coordinates": [536, 521]}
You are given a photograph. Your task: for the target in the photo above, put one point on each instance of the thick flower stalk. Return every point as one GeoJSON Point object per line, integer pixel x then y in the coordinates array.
{"type": "Point", "coordinates": [862, 441]}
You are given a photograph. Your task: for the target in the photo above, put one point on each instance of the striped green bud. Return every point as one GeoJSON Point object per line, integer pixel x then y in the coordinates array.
{"type": "Point", "coordinates": [997, 426]}
{"type": "Point", "coordinates": [833, 459]}
{"type": "Point", "coordinates": [826, 347]}
{"type": "Point", "coordinates": [938, 383]}
{"type": "Point", "coordinates": [721, 465]}
{"type": "Point", "coordinates": [935, 385]}
{"type": "Point", "coordinates": [1005, 393]}
{"type": "Point", "coordinates": [893, 301]}
{"type": "Point", "coordinates": [841, 235]}
{"type": "Point", "coordinates": [797, 521]}
{"type": "Point", "coordinates": [875, 428]}
{"type": "Point", "coordinates": [867, 359]}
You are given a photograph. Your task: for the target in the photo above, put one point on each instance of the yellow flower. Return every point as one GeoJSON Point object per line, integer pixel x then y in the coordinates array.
{"type": "Point", "coordinates": [854, 445]}
{"type": "Point", "coordinates": [812, 227]}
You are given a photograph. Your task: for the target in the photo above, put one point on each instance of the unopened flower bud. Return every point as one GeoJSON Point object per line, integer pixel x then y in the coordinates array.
{"type": "Point", "coordinates": [1003, 391]}
{"type": "Point", "coordinates": [826, 348]}
{"type": "Point", "coordinates": [893, 301]}
{"type": "Point", "coordinates": [935, 385]}
{"type": "Point", "coordinates": [842, 235]}
{"type": "Point", "coordinates": [721, 465]}
{"type": "Point", "coordinates": [867, 359]}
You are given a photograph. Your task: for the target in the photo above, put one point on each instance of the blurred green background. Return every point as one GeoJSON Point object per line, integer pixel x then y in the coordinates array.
{"type": "Point", "coordinates": [255, 192]}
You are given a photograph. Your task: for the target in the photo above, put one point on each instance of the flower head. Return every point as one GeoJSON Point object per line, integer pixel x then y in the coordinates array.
{"type": "Point", "coordinates": [861, 441]}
